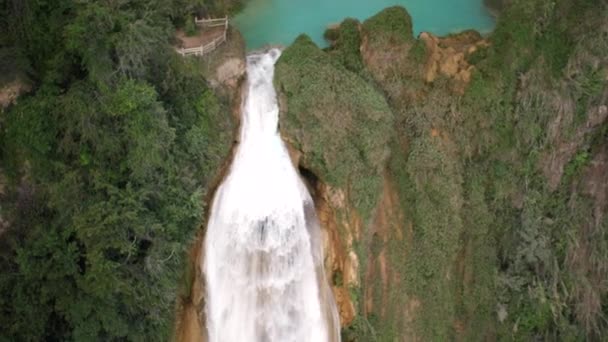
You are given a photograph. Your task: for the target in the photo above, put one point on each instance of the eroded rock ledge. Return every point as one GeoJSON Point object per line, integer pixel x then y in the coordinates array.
{"type": "Point", "coordinates": [338, 111]}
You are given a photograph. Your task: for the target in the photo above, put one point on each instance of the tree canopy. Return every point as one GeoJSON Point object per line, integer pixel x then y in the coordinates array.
{"type": "Point", "coordinates": [107, 162]}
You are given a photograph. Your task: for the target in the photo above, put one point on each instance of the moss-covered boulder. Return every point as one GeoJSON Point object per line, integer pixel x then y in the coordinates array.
{"type": "Point", "coordinates": [392, 55]}
{"type": "Point", "coordinates": [340, 122]}
{"type": "Point", "coordinates": [393, 24]}
{"type": "Point", "coordinates": [345, 42]}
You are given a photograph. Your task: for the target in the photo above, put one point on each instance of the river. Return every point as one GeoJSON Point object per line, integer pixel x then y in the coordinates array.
{"type": "Point", "coordinates": [264, 22]}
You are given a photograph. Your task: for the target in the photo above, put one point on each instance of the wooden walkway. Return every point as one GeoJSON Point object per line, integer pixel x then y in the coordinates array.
{"type": "Point", "coordinates": [217, 28]}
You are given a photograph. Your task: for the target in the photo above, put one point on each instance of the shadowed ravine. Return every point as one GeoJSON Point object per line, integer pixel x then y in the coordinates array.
{"type": "Point", "coordinates": [263, 256]}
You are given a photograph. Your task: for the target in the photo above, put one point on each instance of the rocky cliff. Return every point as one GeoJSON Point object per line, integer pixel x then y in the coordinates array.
{"type": "Point", "coordinates": [458, 179]}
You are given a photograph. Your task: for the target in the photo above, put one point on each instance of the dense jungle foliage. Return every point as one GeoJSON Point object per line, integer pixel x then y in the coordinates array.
{"type": "Point", "coordinates": [503, 185]}
{"type": "Point", "coordinates": [104, 167]}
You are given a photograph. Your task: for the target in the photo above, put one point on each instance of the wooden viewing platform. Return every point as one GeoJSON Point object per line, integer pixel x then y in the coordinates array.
{"type": "Point", "coordinates": [204, 43]}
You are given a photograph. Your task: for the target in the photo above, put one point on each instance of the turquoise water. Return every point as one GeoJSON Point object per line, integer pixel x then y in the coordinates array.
{"type": "Point", "coordinates": [281, 21]}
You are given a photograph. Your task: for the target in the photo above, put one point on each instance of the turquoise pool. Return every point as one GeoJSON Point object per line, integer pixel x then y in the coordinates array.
{"type": "Point", "coordinates": [265, 22]}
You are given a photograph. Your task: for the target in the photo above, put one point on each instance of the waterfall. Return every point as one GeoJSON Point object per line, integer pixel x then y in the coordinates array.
{"type": "Point", "coordinates": [263, 259]}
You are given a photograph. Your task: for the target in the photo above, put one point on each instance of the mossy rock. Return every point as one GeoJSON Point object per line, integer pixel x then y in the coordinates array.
{"type": "Point", "coordinates": [392, 56]}
{"type": "Point", "coordinates": [341, 123]}
{"type": "Point", "coordinates": [346, 42]}
{"type": "Point", "coordinates": [393, 24]}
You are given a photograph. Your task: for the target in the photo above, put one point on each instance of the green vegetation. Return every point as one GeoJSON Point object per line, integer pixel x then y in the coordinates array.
{"type": "Point", "coordinates": [501, 189]}
{"type": "Point", "coordinates": [190, 27]}
{"type": "Point", "coordinates": [501, 185]}
{"type": "Point", "coordinates": [106, 166]}
{"type": "Point", "coordinates": [393, 56]}
{"type": "Point", "coordinates": [336, 118]}
{"type": "Point", "coordinates": [346, 42]}
{"type": "Point", "coordinates": [393, 24]}
{"type": "Point", "coordinates": [540, 219]}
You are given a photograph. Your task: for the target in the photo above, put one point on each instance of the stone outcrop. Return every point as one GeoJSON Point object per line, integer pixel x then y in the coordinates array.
{"type": "Point", "coordinates": [339, 235]}
{"type": "Point", "coordinates": [387, 46]}
{"type": "Point", "coordinates": [402, 64]}
{"type": "Point", "coordinates": [373, 251]}
{"type": "Point", "coordinates": [448, 57]}
{"type": "Point", "coordinates": [375, 123]}
{"type": "Point", "coordinates": [336, 119]}
{"type": "Point", "coordinates": [336, 125]}
{"type": "Point", "coordinates": [225, 67]}
{"type": "Point", "coordinates": [229, 72]}
{"type": "Point", "coordinates": [345, 235]}
{"type": "Point", "coordinates": [425, 252]}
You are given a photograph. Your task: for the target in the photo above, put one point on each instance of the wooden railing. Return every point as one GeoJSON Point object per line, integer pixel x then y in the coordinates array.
{"type": "Point", "coordinates": [206, 48]}
{"type": "Point", "coordinates": [212, 22]}
{"type": "Point", "coordinates": [203, 49]}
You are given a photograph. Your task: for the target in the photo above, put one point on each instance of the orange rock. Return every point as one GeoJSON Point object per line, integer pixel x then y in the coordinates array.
{"type": "Point", "coordinates": [447, 57]}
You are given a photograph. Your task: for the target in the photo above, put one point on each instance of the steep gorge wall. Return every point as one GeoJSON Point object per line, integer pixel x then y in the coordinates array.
{"type": "Point", "coordinates": [393, 278]}
{"type": "Point", "coordinates": [457, 179]}
{"type": "Point", "coordinates": [443, 211]}
{"type": "Point", "coordinates": [337, 122]}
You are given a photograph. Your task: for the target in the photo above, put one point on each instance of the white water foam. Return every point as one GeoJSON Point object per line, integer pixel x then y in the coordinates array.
{"type": "Point", "coordinates": [263, 260]}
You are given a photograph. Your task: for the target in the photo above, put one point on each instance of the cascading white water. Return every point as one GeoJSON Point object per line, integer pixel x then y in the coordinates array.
{"type": "Point", "coordinates": [262, 253]}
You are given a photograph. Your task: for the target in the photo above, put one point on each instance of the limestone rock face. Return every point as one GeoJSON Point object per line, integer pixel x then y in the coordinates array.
{"type": "Point", "coordinates": [230, 71]}
{"type": "Point", "coordinates": [448, 57]}
{"type": "Point", "coordinates": [345, 234]}
{"type": "Point", "coordinates": [420, 264]}
{"type": "Point", "coordinates": [341, 263]}
{"type": "Point", "coordinates": [364, 197]}
{"type": "Point", "coordinates": [338, 127]}
{"type": "Point", "coordinates": [335, 119]}
{"type": "Point", "coordinates": [225, 67]}
{"type": "Point", "coordinates": [402, 65]}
